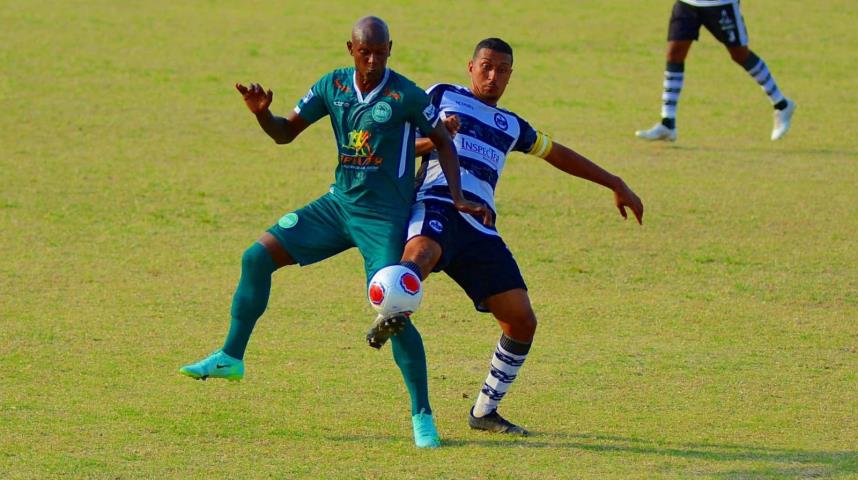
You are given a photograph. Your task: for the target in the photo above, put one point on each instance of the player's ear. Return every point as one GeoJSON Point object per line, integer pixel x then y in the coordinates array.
{"type": "Point", "coordinates": [349, 46]}
{"type": "Point", "coordinates": [390, 48]}
{"type": "Point", "coordinates": [470, 66]}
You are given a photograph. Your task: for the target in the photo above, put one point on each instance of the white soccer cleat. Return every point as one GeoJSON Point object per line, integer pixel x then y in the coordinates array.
{"type": "Point", "coordinates": [658, 132]}
{"type": "Point", "coordinates": [783, 120]}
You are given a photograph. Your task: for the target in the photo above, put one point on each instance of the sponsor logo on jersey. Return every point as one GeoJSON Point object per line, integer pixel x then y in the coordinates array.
{"type": "Point", "coordinates": [359, 153]}
{"type": "Point", "coordinates": [500, 121]}
{"type": "Point", "coordinates": [392, 94]}
{"type": "Point", "coordinates": [464, 104]}
{"type": "Point", "coordinates": [436, 225]}
{"type": "Point", "coordinates": [338, 103]}
{"type": "Point", "coordinates": [288, 221]}
{"type": "Point", "coordinates": [429, 112]}
{"type": "Point", "coordinates": [308, 96]}
{"type": "Point", "coordinates": [381, 112]}
{"type": "Point", "coordinates": [340, 86]}
{"type": "Point", "coordinates": [488, 154]}
{"type": "Point", "coordinates": [410, 283]}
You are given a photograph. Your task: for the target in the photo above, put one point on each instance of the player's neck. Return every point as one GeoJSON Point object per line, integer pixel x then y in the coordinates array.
{"type": "Point", "coordinates": [492, 102]}
{"type": "Point", "coordinates": [366, 85]}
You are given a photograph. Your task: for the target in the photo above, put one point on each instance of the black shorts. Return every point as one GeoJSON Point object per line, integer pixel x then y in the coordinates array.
{"type": "Point", "coordinates": [725, 22]}
{"type": "Point", "coordinates": [479, 262]}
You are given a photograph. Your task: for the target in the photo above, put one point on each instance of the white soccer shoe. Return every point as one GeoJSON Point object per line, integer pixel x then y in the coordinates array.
{"type": "Point", "coordinates": [658, 132]}
{"type": "Point", "coordinates": [783, 120]}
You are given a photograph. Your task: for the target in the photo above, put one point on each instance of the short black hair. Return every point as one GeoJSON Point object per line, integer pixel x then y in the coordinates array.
{"type": "Point", "coordinates": [495, 44]}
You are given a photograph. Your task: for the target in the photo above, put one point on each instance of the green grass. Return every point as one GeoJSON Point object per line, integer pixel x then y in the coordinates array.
{"type": "Point", "coordinates": [718, 341]}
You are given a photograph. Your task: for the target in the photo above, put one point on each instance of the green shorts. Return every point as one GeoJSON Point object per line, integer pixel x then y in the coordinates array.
{"type": "Point", "coordinates": [326, 227]}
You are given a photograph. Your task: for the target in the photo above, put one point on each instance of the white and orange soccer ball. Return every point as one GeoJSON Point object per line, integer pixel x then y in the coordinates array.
{"type": "Point", "coordinates": [395, 289]}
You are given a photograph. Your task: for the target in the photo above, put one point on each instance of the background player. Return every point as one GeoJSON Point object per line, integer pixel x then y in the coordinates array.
{"type": "Point", "coordinates": [469, 251]}
{"type": "Point", "coordinates": [374, 112]}
{"type": "Point", "coordinates": [724, 19]}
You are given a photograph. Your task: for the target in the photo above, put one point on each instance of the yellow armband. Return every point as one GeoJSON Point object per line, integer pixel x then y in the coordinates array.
{"type": "Point", "coordinates": [542, 146]}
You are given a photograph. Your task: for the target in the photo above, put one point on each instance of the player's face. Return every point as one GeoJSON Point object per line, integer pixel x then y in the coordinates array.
{"type": "Point", "coordinates": [490, 71]}
{"type": "Point", "coordinates": [370, 58]}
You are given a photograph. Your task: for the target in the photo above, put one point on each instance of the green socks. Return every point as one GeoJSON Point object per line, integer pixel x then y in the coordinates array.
{"type": "Point", "coordinates": [410, 357]}
{"type": "Point", "coordinates": [250, 299]}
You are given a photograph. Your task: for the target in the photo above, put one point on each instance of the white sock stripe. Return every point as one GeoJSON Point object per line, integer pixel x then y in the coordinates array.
{"type": "Point", "coordinates": [508, 358]}
{"type": "Point", "coordinates": [502, 376]}
{"type": "Point", "coordinates": [764, 78]}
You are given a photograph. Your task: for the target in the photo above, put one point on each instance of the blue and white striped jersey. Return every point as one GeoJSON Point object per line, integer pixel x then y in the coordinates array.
{"type": "Point", "coordinates": [486, 136]}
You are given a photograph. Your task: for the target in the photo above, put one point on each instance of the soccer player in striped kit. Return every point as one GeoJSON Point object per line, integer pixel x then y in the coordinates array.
{"type": "Point", "coordinates": [723, 18]}
{"type": "Point", "coordinates": [469, 249]}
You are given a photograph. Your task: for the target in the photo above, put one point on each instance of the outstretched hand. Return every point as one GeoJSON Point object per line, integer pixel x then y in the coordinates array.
{"type": "Point", "coordinates": [476, 208]}
{"type": "Point", "coordinates": [255, 97]}
{"type": "Point", "coordinates": [625, 197]}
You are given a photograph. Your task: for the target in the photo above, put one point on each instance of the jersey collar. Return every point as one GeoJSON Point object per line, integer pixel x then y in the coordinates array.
{"type": "Point", "coordinates": [374, 92]}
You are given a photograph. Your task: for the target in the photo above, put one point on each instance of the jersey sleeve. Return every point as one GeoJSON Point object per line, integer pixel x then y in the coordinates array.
{"type": "Point", "coordinates": [435, 93]}
{"type": "Point", "coordinates": [424, 114]}
{"type": "Point", "coordinates": [313, 106]}
{"type": "Point", "coordinates": [532, 141]}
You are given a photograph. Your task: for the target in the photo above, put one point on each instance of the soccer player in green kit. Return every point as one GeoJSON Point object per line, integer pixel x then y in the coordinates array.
{"type": "Point", "coordinates": [374, 112]}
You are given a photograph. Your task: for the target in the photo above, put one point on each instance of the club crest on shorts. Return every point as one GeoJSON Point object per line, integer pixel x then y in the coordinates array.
{"type": "Point", "coordinates": [436, 225]}
{"type": "Point", "coordinates": [410, 283]}
{"type": "Point", "coordinates": [381, 112]}
{"type": "Point", "coordinates": [288, 221]}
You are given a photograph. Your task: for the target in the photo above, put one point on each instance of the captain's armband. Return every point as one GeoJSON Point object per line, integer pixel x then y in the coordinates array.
{"type": "Point", "coordinates": [542, 146]}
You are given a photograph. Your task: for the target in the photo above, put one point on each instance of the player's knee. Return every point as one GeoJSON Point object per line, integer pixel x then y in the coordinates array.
{"type": "Point", "coordinates": [529, 322]}
{"type": "Point", "coordinates": [257, 259]}
{"type": "Point", "coordinates": [523, 325]}
{"type": "Point", "coordinates": [423, 252]}
{"type": "Point", "coordinates": [739, 55]}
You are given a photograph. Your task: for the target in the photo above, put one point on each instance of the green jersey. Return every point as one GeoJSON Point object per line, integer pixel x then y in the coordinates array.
{"type": "Point", "coordinates": [375, 133]}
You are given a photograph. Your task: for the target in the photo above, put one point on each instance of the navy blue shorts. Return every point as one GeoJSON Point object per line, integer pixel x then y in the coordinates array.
{"type": "Point", "coordinates": [479, 262]}
{"type": "Point", "coordinates": [725, 22]}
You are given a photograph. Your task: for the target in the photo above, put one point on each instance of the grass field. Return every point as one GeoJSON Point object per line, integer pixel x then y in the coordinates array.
{"type": "Point", "coordinates": [719, 340]}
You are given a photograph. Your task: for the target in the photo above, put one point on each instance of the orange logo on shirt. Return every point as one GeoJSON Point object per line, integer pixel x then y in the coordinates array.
{"type": "Point", "coordinates": [340, 86]}
{"type": "Point", "coordinates": [363, 155]}
{"type": "Point", "coordinates": [392, 94]}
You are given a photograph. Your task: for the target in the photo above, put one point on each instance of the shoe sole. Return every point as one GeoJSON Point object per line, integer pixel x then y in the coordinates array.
{"type": "Point", "coordinates": [232, 378]}
{"type": "Point", "coordinates": [489, 425]}
{"type": "Point", "coordinates": [383, 328]}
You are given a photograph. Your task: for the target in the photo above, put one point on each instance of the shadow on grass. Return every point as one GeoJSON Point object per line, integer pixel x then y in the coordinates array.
{"type": "Point", "coordinates": [792, 463]}
{"type": "Point", "coordinates": [788, 462]}
{"type": "Point", "coordinates": [797, 151]}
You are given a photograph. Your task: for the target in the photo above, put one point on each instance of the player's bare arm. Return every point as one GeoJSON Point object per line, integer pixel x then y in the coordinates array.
{"type": "Point", "coordinates": [450, 166]}
{"type": "Point", "coordinates": [573, 163]}
{"type": "Point", "coordinates": [258, 101]}
{"type": "Point", "coordinates": [423, 145]}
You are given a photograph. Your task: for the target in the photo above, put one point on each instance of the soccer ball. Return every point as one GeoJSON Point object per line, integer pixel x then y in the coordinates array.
{"type": "Point", "coordinates": [395, 289]}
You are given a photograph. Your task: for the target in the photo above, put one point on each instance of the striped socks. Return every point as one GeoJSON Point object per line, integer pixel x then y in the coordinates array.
{"type": "Point", "coordinates": [508, 358]}
{"type": "Point", "coordinates": [674, 75]}
{"type": "Point", "coordinates": [758, 69]}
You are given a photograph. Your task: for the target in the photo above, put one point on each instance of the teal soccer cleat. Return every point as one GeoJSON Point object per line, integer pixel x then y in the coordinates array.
{"type": "Point", "coordinates": [425, 435]}
{"type": "Point", "coordinates": [216, 365]}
